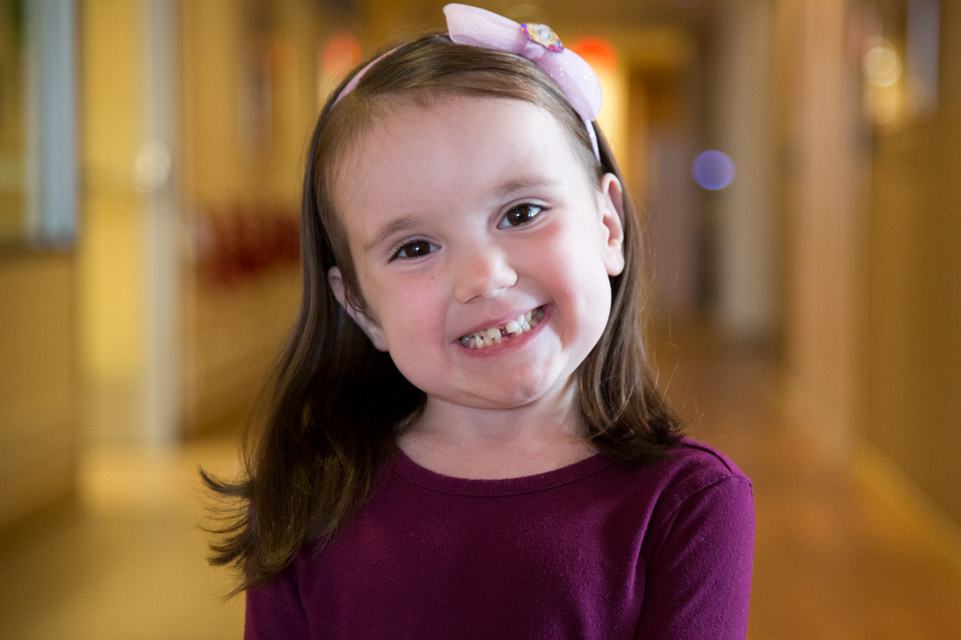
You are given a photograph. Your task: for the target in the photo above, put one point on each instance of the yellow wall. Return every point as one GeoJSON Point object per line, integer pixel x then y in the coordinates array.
{"type": "Point", "coordinates": [37, 387]}
{"type": "Point", "coordinates": [111, 252]}
{"type": "Point", "coordinates": [824, 221]}
{"type": "Point", "coordinates": [872, 231]}
{"type": "Point", "coordinates": [223, 159]}
{"type": "Point", "coordinates": [913, 325]}
{"type": "Point", "coordinates": [231, 152]}
{"type": "Point", "coordinates": [249, 99]}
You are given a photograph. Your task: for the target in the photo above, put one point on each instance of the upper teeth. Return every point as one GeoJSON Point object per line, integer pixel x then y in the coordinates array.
{"type": "Point", "coordinates": [494, 335]}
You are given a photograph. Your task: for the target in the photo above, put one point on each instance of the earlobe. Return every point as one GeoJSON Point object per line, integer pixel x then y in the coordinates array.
{"type": "Point", "coordinates": [364, 320]}
{"type": "Point", "coordinates": [611, 205]}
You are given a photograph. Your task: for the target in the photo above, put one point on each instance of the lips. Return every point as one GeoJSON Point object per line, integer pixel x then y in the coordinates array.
{"type": "Point", "coordinates": [504, 332]}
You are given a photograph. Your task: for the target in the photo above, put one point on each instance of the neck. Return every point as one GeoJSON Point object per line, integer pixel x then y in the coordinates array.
{"type": "Point", "coordinates": [498, 443]}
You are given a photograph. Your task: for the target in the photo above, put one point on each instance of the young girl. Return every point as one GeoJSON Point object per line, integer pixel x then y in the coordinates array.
{"type": "Point", "coordinates": [464, 440]}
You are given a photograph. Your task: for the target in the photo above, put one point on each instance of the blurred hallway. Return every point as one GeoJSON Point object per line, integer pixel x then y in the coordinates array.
{"type": "Point", "coordinates": [125, 559]}
{"type": "Point", "coordinates": [149, 269]}
{"type": "Point", "coordinates": [832, 559]}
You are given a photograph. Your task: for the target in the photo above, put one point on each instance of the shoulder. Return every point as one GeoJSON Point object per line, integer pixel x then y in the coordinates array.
{"type": "Point", "coordinates": [688, 467]}
{"type": "Point", "coordinates": [691, 480]}
{"type": "Point", "coordinates": [693, 466]}
{"type": "Point", "coordinates": [694, 471]}
{"type": "Point", "coordinates": [701, 489]}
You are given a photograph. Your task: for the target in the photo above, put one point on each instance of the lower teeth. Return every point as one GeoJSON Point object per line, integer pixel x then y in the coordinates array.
{"type": "Point", "coordinates": [512, 329]}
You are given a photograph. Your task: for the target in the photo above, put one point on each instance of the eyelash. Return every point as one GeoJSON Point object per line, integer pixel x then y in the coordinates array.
{"type": "Point", "coordinates": [525, 207]}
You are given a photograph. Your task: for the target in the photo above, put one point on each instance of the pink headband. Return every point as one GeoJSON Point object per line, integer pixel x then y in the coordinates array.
{"type": "Point", "coordinates": [536, 42]}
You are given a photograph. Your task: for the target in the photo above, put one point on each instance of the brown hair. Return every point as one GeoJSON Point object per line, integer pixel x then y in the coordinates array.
{"type": "Point", "coordinates": [335, 405]}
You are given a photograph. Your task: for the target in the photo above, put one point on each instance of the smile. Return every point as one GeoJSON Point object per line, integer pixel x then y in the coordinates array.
{"type": "Point", "coordinates": [506, 331]}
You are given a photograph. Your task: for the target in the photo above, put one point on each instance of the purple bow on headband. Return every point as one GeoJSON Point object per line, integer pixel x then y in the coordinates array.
{"type": "Point", "coordinates": [536, 42]}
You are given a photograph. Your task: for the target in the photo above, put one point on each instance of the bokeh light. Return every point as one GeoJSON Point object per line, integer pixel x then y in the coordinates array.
{"type": "Point", "coordinates": [882, 65]}
{"type": "Point", "coordinates": [597, 52]}
{"type": "Point", "coordinates": [340, 54]}
{"type": "Point", "coordinates": [713, 170]}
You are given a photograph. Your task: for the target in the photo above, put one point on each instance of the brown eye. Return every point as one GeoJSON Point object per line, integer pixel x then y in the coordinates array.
{"type": "Point", "coordinates": [519, 215]}
{"type": "Point", "coordinates": [415, 249]}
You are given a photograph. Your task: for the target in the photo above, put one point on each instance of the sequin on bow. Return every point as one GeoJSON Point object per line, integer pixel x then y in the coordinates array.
{"type": "Point", "coordinates": [542, 35]}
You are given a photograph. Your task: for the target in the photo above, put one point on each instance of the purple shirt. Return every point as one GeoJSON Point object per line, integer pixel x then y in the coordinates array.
{"type": "Point", "coordinates": [594, 550]}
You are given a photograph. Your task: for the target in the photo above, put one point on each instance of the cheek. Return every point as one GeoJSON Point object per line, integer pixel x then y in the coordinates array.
{"type": "Point", "coordinates": [576, 254]}
{"type": "Point", "coordinates": [406, 309]}
{"type": "Point", "coordinates": [584, 280]}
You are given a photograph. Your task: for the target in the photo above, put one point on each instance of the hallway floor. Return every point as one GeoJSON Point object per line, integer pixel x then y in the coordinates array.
{"type": "Point", "coordinates": [125, 561]}
{"type": "Point", "coordinates": [832, 559]}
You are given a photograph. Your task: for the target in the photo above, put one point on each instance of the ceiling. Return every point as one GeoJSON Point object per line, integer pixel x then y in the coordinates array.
{"type": "Point", "coordinates": [690, 14]}
{"type": "Point", "coordinates": [652, 32]}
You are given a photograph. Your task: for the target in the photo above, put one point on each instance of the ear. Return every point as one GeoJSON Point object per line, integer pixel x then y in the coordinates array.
{"type": "Point", "coordinates": [364, 320]}
{"type": "Point", "coordinates": [611, 207]}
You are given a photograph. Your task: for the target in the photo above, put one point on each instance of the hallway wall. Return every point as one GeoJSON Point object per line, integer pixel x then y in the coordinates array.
{"type": "Point", "coordinates": [872, 358]}
{"type": "Point", "coordinates": [37, 385]}
{"type": "Point", "coordinates": [912, 328]}
{"type": "Point", "coordinates": [249, 76]}
{"type": "Point", "coordinates": [111, 268]}
{"type": "Point", "coordinates": [823, 156]}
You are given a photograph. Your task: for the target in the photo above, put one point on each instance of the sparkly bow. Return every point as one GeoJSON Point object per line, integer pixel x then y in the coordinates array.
{"type": "Point", "coordinates": [536, 42]}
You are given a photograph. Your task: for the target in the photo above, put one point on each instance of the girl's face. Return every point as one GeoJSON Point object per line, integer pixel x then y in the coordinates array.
{"type": "Point", "coordinates": [482, 249]}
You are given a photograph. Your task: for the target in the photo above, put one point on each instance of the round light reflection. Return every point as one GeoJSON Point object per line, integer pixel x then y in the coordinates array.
{"type": "Point", "coordinates": [713, 170]}
{"type": "Point", "coordinates": [882, 65]}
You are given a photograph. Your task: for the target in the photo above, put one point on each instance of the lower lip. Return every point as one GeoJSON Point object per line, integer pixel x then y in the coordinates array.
{"type": "Point", "coordinates": [511, 344]}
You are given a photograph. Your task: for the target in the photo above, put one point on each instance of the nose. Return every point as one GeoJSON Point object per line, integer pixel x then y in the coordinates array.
{"type": "Point", "coordinates": [481, 271]}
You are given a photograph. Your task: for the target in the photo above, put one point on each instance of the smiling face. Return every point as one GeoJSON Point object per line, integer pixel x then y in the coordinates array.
{"type": "Point", "coordinates": [483, 249]}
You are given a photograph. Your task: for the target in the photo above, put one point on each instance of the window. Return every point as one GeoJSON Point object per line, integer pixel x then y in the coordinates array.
{"type": "Point", "coordinates": [38, 181]}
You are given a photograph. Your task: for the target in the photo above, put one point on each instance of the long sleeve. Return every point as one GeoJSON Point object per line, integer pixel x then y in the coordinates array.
{"type": "Point", "coordinates": [698, 579]}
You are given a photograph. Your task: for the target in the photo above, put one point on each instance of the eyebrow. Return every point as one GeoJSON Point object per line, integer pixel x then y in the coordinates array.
{"type": "Point", "coordinates": [522, 182]}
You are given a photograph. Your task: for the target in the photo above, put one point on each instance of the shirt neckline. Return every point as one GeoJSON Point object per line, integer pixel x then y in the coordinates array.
{"type": "Point", "coordinates": [404, 466]}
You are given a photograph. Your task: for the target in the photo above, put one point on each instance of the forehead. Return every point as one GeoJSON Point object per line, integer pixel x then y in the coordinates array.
{"type": "Point", "coordinates": [416, 157]}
